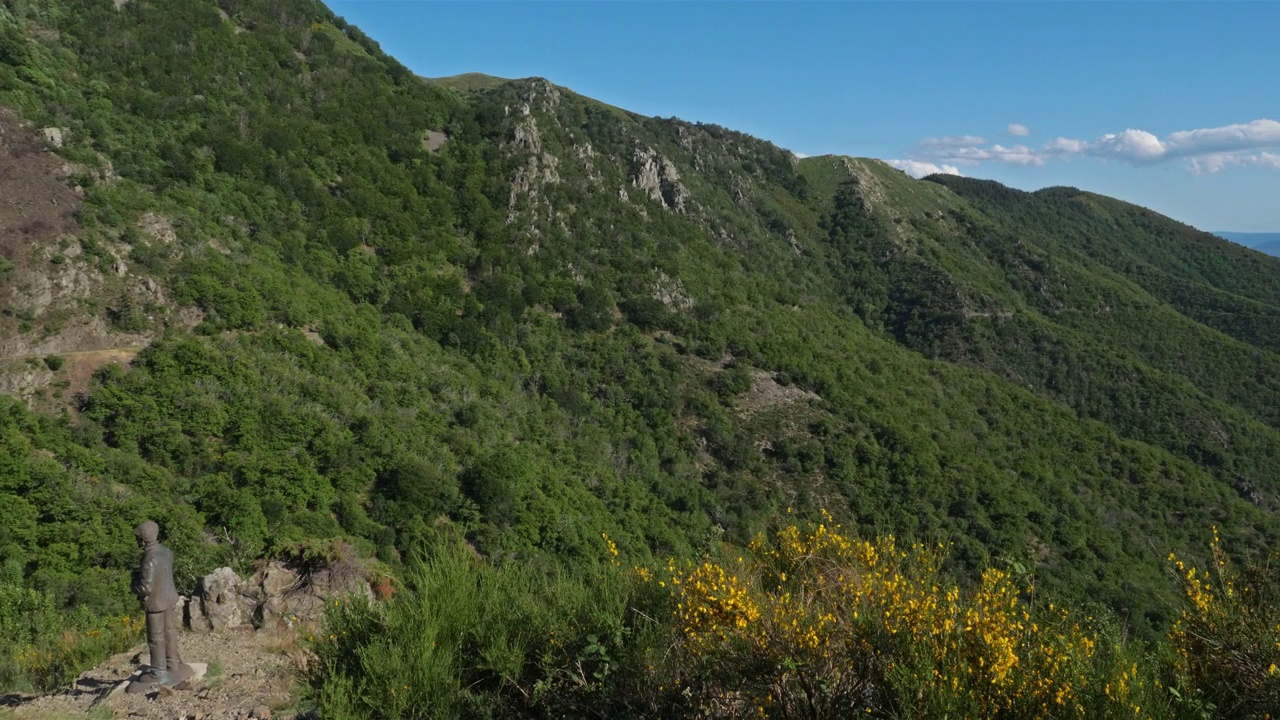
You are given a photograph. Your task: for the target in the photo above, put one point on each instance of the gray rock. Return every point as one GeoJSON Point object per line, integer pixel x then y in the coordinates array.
{"type": "Point", "coordinates": [222, 602]}
{"type": "Point", "coordinates": [274, 596]}
{"type": "Point", "coordinates": [659, 177]}
{"type": "Point", "coordinates": [53, 136]}
{"type": "Point", "coordinates": [276, 580]}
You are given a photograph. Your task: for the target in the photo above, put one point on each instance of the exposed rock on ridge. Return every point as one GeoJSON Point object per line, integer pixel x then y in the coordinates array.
{"type": "Point", "coordinates": [658, 177]}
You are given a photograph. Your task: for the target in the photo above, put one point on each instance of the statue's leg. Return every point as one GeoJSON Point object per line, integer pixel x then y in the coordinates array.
{"type": "Point", "coordinates": [178, 671]}
{"type": "Point", "coordinates": [157, 671]}
{"type": "Point", "coordinates": [156, 641]}
{"type": "Point", "coordinates": [158, 644]}
{"type": "Point", "coordinates": [171, 656]}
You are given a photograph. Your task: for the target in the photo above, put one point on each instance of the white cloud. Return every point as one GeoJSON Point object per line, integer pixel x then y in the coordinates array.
{"type": "Point", "coordinates": [1267, 160]}
{"type": "Point", "coordinates": [952, 141]}
{"type": "Point", "coordinates": [1016, 155]}
{"type": "Point", "coordinates": [1018, 130]}
{"type": "Point", "coordinates": [917, 169]}
{"type": "Point", "coordinates": [1064, 146]}
{"type": "Point", "coordinates": [1206, 150]}
{"type": "Point", "coordinates": [1137, 146]}
{"type": "Point", "coordinates": [801, 155]}
{"type": "Point", "coordinates": [1244, 136]}
{"type": "Point", "coordinates": [1217, 162]}
{"type": "Point", "coordinates": [976, 154]}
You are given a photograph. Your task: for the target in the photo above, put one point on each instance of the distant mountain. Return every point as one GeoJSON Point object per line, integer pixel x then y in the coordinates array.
{"type": "Point", "coordinates": [1268, 243]}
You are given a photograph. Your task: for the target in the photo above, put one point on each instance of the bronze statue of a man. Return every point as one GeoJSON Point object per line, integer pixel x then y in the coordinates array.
{"type": "Point", "coordinates": [153, 584]}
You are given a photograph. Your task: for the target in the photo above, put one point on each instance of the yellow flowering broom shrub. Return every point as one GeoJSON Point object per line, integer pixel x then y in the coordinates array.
{"type": "Point", "coordinates": [813, 623]}
{"type": "Point", "coordinates": [806, 622]}
{"type": "Point", "coordinates": [1226, 643]}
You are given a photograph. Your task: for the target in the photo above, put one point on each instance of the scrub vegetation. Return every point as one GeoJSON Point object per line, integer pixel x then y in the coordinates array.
{"type": "Point", "coordinates": [495, 315]}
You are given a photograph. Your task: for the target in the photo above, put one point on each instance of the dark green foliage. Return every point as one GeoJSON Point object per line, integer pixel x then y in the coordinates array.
{"type": "Point", "coordinates": [511, 338]}
{"type": "Point", "coordinates": [466, 639]}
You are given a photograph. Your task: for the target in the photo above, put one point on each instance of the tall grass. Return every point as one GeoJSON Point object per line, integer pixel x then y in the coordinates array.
{"type": "Point", "coordinates": [1225, 646]}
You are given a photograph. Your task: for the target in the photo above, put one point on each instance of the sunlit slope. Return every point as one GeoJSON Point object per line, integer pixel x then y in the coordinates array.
{"type": "Point", "coordinates": [503, 311]}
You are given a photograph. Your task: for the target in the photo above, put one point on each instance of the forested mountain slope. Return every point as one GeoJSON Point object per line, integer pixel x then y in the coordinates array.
{"type": "Point", "coordinates": [387, 309]}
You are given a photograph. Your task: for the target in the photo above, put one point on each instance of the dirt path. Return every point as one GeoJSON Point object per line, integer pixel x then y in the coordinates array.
{"type": "Point", "coordinates": [250, 675]}
{"type": "Point", "coordinates": [124, 354]}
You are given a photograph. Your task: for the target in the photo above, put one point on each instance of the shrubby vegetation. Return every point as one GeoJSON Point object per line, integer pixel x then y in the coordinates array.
{"type": "Point", "coordinates": [807, 621]}
{"type": "Point", "coordinates": [1225, 643]}
{"type": "Point", "coordinates": [399, 344]}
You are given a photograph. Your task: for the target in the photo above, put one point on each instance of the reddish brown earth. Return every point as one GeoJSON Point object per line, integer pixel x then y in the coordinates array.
{"type": "Point", "coordinates": [36, 204]}
{"type": "Point", "coordinates": [51, 295]}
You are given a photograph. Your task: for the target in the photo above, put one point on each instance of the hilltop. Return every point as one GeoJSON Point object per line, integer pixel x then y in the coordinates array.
{"type": "Point", "coordinates": [468, 81]}
{"type": "Point", "coordinates": [393, 311]}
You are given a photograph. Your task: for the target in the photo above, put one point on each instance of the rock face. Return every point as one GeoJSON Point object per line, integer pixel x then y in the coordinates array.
{"type": "Point", "coordinates": [219, 602]}
{"type": "Point", "coordinates": [658, 177]}
{"type": "Point", "coordinates": [274, 595]}
{"type": "Point", "coordinates": [53, 136]}
{"type": "Point", "coordinates": [670, 292]}
{"type": "Point", "coordinates": [58, 291]}
{"type": "Point", "coordinates": [540, 169]}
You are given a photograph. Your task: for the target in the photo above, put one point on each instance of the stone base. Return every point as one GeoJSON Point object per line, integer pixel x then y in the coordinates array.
{"type": "Point", "coordinates": [196, 674]}
{"type": "Point", "coordinates": [183, 677]}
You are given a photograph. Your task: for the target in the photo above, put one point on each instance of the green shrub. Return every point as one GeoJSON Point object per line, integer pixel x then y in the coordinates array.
{"type": "Point", "coordinates": [466, 638]}
{"type": "Point", "coordinates": [42, 648]}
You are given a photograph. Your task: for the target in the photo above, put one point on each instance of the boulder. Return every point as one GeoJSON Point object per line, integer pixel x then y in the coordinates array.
{"type": "Point", "coordinates": [53, 136]}
{"type": "Point", "coordinates": [274, 595]}
{"type": "Point", "coordinates": [222, 602]}
{"type": "Point", "coordinates": [291, 597]}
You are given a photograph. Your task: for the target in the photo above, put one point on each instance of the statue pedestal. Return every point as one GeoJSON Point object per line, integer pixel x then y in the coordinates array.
{"type": "Point", "coordinates": [182, 677]}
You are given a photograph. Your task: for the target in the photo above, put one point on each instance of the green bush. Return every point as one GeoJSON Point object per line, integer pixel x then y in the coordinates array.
{"type": "Point", "coordinates": [469, 639]}
{"type": "Point", "coordinates": [42, 648]}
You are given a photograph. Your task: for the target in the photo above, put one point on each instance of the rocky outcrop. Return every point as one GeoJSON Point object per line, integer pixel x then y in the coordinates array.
{"type": "Point", "coordinates": [658, 177]}
{"type": "Point", "coordinates": [221, 602]}
{"type": "Point", "coordinates": [53, 136]}
{"type": "Point", "coordinates": [274, 595]}
{"type": "Point", "coordinates": [433, 140]}
{"type": "Point", "coordinates": [157, 227]}
{"type": "Point", "coordinates": [25, 379]}
{"type": "Point", "coordinates": [60, 288]}
{"type": "Point", "coordinates": [540, 168]}
{"type": "Point", "coordinates": [670, 292]}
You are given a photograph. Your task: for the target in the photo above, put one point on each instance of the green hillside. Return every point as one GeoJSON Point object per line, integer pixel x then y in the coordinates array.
{"type": "Point", "coordinates": [393, 310]}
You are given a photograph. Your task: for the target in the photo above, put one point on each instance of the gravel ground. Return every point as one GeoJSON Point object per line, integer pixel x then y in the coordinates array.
{"type": "Point", "coordinates": [250, 675]}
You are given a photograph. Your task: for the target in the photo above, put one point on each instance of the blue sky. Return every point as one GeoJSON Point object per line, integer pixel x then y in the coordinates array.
{"type": "Point", "coordinates": [1175, 106]}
